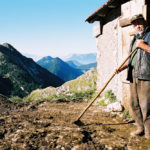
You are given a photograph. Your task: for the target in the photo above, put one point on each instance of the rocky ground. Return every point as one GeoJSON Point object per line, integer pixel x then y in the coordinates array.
{"type": "Point", "coordinates": [48, 126]}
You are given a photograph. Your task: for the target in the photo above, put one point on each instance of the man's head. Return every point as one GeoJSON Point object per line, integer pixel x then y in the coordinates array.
{"type": "Point", "coordinates": [138, 23]}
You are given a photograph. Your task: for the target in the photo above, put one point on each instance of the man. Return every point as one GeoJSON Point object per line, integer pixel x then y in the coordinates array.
{"type": "Point", "coordinates": [139, 76]}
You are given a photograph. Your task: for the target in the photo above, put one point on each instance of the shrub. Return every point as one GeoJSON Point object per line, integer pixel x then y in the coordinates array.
{"type": "Point", "coordinates": [109, 96]}
{"type": "Point", "coordinates": [102, 102]}
{"type": "Point", "coordinates": [126, 114]}
{"type": "Point", "coordinates": [15, 99]}
{"type": "Point", "coordinates": [73, 95]}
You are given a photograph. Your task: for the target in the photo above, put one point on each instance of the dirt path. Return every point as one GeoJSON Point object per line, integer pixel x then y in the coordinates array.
{"type": "Point", "coordinates": [48, 126]}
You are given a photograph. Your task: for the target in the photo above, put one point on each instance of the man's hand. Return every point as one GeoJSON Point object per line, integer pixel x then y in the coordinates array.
{"type": "Point", "coordinates": [122, 68]}
{"type": "Point", "coordinates": [118, 71]}
{"type": "Point", "coordinates": [140, 43]}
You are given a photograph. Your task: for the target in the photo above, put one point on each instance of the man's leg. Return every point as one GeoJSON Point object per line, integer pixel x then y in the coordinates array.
{"type": "Point", "coordinates": [144, 99]}
{"type": "Point", "coordinates": [135, 107]}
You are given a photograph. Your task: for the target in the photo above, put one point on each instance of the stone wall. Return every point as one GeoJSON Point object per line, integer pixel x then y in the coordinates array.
{"type": "Point", "coordinates": [108, 47]}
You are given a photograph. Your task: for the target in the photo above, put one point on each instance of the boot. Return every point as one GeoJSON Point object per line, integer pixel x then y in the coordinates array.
{"type": "Point", "coordinates": [139, 131]}
{"type": "Point", "coordinates": [147, 136]}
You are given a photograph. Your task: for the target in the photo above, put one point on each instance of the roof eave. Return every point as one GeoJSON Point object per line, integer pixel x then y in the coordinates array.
{"type": "Point", "coordinates": [101, 12]}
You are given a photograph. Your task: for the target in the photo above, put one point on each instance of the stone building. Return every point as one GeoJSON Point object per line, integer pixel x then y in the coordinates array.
{"type": "Point", "coordinates": [113, 33]}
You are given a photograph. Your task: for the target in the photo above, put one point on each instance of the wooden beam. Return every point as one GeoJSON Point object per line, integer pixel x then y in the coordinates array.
{"type": "Point", "coordinates": [124, 22]}
{"type": "Point", "coordinates": [112, 6]}
{"type": "Point", "coordinates": [97, 29]}
{"type": "Point", "coordinates": [132, 33]}
{"type": "Point", "coordinates": [101, 15]}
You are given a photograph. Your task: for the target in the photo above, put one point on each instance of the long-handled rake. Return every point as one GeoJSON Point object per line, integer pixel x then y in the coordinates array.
{"type": "Point", "coordinates": [78, 122]}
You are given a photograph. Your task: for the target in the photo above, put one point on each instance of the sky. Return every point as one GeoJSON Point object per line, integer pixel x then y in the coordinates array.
{"type": "Point", "coordinates": [48, 27]}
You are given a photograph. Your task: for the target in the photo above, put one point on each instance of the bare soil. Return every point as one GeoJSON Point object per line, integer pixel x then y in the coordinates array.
{"type": "Point", "coordinates": [49, 126]}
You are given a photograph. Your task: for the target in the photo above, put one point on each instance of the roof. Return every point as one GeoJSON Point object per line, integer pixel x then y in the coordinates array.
{"type": "Point", "coordinates": [102, 12]}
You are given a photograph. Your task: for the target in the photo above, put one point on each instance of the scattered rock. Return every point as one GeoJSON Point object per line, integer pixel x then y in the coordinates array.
{"type": "Point", "coordinates": [114, 107]}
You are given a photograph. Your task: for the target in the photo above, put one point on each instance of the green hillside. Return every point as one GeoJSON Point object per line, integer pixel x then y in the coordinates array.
{"type": "Point", "coordinates": [20, 75]}
{"type": "Point", "coordinates": [82, 87]}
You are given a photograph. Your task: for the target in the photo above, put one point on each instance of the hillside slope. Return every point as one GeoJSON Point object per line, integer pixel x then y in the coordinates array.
{"type": "Point", "coordinates": [20, 75]}
{"type": "Point", "coordinates": [69, 90]}
{"type": "Point", "coordinates": [5, 104]}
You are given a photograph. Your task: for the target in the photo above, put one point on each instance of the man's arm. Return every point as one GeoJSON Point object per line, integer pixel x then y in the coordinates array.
{"type": "Point", "coordinates": [141, 44]}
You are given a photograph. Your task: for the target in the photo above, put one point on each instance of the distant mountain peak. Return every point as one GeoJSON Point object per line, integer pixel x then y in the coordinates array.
{"type": "Point", "coordinates": [58, 59]}
{"type": "Point", "coordinates": [82, 58]}
{"type": "Point", "coordinates": [48, 57]}
{"type": "Point", "coordinates": [60, 68]}
{"type": "Point", "coordinates": [7, 45]}
{"type": "Point", "coordinates": [11, 48]}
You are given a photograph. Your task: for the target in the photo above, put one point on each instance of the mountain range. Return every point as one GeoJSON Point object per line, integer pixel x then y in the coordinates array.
{"type": "Point", "coordinates": [20, 75]}
{"type": "Point", "coordinates": [60, 68]}
{"type": "Point", "coordinates": [87, 67]}
{"type": "Point", "coordinates": [69, 70]}
{"type": "Point", "coordinates": [81, 59]}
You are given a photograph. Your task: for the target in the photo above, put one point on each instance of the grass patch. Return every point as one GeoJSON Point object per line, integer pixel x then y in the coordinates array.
{"type": "Point", "coordinates": [16, 99]}
{"type": "Point", "coordinates": [126, 114]}
{"type": "Point", "coordinates": [73, 95]}
{"type": "Point", "coordinates": [110, 95]}
{"type": "Point", "coordinates": [84, 95]}
{"type": "Point", "coordinates": [107, 98]}
{"type": "Point", "coordinates": [102, 103]}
